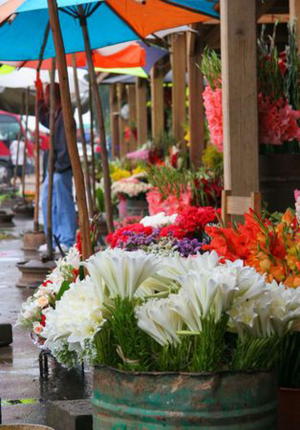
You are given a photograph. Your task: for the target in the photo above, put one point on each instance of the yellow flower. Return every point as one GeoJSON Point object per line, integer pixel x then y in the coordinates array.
{"type": "Point", "coordinates": [119, 174]}
{"type": "Point", "coordinates": [138, 170]}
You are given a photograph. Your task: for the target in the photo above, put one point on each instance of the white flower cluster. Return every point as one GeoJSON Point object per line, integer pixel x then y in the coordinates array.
{"type": "Point", "coordinates": [130, 187]}
{"type": "Point", "coordinates": [178, 295]}
{"type": "Point", "coordinates": [81, 311]}
{"type": "Point", "coordinates": [35, 306]}
{"type": "Point", "coordinates": [159, 220]}
{"type": "Point", "coordinates": [253, 306]}
{"type": "Point", "coordinates": [297, 206]}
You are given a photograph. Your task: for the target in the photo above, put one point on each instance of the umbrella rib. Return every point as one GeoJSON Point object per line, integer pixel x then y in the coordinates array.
{"type": "Point", "coordinates": [97, 5]}
{"type": "Point", "coordinates": [190, 9]}
{"type": "Point", "coordinates": [46, 35]}
{"type": "Point", "coordinates": [70, 13]}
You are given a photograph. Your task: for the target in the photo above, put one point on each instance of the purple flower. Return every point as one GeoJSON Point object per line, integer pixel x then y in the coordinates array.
{"type": "Point", "coordinates": [187, 246]}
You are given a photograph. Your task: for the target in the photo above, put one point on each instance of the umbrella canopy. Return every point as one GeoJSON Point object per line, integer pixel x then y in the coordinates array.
{"type": "Point", "coordinates": [152, 55]}
{"type": "Point", "coordinates": [122, 55]}
{"type": "Point", "coordinates": [109, 22]}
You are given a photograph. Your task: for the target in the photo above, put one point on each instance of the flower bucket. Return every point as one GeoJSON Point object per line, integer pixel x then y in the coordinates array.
{"type": "Point", "coordinates": [279, 177]}
{"type": "Point", "coordinates": [122, 208]}
{"type": "Point", "coordinates": [289, 409]}
{"type": "Point", "coordinates": [137, 207]}
{"type": "Point", "coordinates": [154, 400]}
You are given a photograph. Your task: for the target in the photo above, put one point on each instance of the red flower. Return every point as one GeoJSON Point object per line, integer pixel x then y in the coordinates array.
{"type": "Point", "coordinates": [43, 321]}
{"type": "Point", "coordinates": [120, 236]}
{"type": "Point", "coordinates": [46, 283]}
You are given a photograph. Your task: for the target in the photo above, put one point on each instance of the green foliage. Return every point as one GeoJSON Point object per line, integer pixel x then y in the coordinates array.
{"type": "Point", "coordinates": [100, 200]}
{"type": "Point", "coordinates": [213, 159]}
{"type": "Point", "coordinates": [211, 68]}
{"type": "Point", "coordinates": [65, 286]}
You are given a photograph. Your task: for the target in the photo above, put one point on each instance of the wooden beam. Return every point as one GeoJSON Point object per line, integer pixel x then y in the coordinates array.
{"type": "Point", "coordinates": [295, 15]}
{"type": "Point", "coordinates": [131, 91]}
{"type": "Point", "coordinates": [141, 104]}
{"type": "Point", "coordinates": [239, 85]}
{"type": "Point", "coordinates": [114, 119]}
{"type": "Point", "coordinates": [157, 102]}
{"type": "Point", "coordinates": [196, 109]}
{"type": "Point", "coordinates": [122, 122]}
{"type": "Point", "coordinates": [178, 62]}
{"type": "Point", "coordinates": [70, 129]}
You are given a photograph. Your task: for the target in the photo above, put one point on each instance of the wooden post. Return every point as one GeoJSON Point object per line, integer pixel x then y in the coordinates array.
{"type": "Point", "coordinates": [239, 85]}
{"type": "Point", "coordinates": [141, 105]}
{"type": "Point", "coordinates": [114, 119]}
{"type": "Point", "coordinates": [196, 108]}
{"type": "Point", "coordinates": [83, 140]}
{"type": "Point", "coordinates": [19, 140]}
{"type": "Point", "coordinates": [37, 165]}
{"type": "Point", "coordinates": [25, 142]}
{"type": "Point", "coordinates": [157, 102]}
{"type": "Point", "coordinates": [70, 129]}
{"type": "Point", "coordinates": [178, 61]}
{"type": "Point", "coordinates": [132, 115]}
{"type": "Point", "coordinates": [99, 115]}
{"type": "Point", "coordinates": [122, 122]}
{"type": "Point", "coordinates": [92, 144]}
{"type": "Point", "coordinates": [51, 162]}
{"type": "Point", "coordinates": [37, 137]}
{"type": "Point", "coordinates": [295, 14]}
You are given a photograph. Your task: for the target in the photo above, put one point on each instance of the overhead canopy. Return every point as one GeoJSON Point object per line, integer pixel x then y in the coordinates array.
{"type": "Point", "coordinates": [109, 22]}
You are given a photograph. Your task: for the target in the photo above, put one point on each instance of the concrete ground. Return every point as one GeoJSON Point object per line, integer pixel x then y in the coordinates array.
{"type": "Point", "coordinates": [19, 366]}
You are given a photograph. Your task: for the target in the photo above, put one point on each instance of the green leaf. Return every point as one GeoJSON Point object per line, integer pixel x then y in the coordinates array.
{"type": "Point", "coordinates": [64, 287]}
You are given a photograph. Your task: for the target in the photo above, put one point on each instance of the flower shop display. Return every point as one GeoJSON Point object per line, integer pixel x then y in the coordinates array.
{"type": "Point", "coordinates": [131, 193]}
{"type": "Point", "coordinates": [297, 204]}
{"type": "Point", "coordinates": [279, 115]}
{"type": "Point", "coordinates": [148, 312]}
{"type": "Point", "coordinates": [181, 233]}
{"type": "Point", "coordinates": [174, 189]}
{"type": "Point", "coordinates": [273, 249]}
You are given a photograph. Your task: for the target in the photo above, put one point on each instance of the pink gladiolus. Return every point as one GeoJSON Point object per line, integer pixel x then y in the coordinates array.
{"type": "Point", "coordinates": [171, 205]}
{"type": "Point", "coordinates": [213, 107]}
{"type": "Point", "coordinates": [141, 154]}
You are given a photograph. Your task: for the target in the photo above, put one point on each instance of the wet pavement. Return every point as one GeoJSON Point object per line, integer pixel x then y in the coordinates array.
{"type": "Point", "coordinates": [19, 364]}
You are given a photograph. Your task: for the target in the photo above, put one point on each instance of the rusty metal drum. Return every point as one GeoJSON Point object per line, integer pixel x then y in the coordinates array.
{"type": "Point", "coordinates": [211, 401]}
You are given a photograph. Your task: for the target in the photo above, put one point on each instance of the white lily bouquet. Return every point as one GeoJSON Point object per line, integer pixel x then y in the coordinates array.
{"type": "Point", "coordinates": [144, 312]}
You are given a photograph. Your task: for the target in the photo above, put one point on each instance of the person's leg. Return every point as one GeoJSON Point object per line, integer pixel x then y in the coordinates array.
{"type": "Point", "coordinates": [44, 202]}
{"type": "Point", "coordinates": [45, 206]}
{"type": "Point", "coordinates": [65, 214]}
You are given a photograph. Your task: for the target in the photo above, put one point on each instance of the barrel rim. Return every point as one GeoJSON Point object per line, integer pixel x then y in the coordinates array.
{"type": "Point", "coordinates": [186, 374]}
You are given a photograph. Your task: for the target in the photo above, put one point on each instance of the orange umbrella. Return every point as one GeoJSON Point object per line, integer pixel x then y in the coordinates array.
{"type": "Point", "coordinates": [121, 56]}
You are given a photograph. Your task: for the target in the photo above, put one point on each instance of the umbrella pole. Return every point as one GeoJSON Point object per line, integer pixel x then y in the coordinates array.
{"type": "Point", "coordinates": [19, 141]}
{"type": "Point", "coordinates": [99, 113]}
{"type": "Point", "coordinates": [70, 129]}
{"type": "Point", "coordinates": [37, 164]}
{"type": "Point", "coordinates": [92, 145]}
{"type": "Point", "coordinates": [25, 144]}
{"type": "Point", "coordinates": [51, 161]}
{"type": "Point", "coordinates": [83, 140]}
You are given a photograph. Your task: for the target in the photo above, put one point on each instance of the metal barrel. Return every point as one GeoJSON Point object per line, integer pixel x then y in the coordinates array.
{"type": "Point", "coordinates": [207, 401]}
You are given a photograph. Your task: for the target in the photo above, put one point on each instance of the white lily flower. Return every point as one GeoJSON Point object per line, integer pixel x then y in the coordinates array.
{"type": "Point", "coordinates": [157, 318]}
{"type": "Point", "coordinates": [180, 304]}
{"type": "Point", "coordinates": [123, 272]}
{"type": "Point", "coordinates": [175, 266]}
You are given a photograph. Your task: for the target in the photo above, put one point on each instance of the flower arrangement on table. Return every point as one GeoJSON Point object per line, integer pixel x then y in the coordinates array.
{"type": "Point", "coordinates": [272, 248]}
{"type": "Point", "coordinates": [144, 312]}
{"type": "Point", "coordinates": [34, 311]}
{"type": "Point", "coordinates": [278, 95]}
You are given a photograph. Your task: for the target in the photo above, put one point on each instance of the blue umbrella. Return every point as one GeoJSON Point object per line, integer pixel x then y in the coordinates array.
{"type": "Point", "coordinates": [109, 22]}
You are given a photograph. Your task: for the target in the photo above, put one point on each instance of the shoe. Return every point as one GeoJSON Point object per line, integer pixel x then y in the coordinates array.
{"type": "Point", "coordinates": [64, 248]}
{"type": "Point", "coordinates": [43, 248]}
